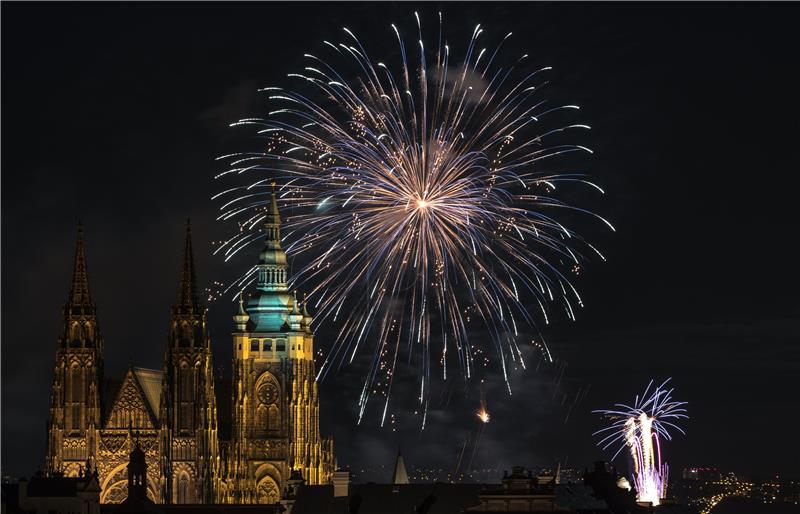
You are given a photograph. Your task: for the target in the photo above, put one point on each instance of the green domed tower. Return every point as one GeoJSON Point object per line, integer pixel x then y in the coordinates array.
{"type": "Point", "coordinates": [275, 399]}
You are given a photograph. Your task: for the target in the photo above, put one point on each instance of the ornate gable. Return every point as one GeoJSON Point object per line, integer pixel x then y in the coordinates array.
{"type": "Point", "coordinates": [133, 407]}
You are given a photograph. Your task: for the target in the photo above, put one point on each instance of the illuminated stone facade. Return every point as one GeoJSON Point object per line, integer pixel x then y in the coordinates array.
{"type": "Point", "coordinates": [196, 452]}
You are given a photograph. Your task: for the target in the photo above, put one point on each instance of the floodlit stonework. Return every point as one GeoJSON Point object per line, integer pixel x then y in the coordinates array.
{"type": "Point", "coordinates": [206, 438]}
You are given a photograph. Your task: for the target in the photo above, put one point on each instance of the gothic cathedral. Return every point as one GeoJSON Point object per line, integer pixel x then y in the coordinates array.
{"type": "Point", "coordinates": [206, 438]}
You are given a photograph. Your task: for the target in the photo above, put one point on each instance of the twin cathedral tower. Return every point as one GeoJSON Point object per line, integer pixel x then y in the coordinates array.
{"type": "Point", "coordinates": [206, 438]}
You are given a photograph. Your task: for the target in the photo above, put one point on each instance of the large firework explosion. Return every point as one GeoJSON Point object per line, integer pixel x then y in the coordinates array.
{"type": "Point", "coordinates": [418, 199]}
{"type": "Point", "coordinates": [640, 428]}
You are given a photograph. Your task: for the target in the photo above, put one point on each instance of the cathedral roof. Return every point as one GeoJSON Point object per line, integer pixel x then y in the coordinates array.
{"type": "Point", "coordinates": [150, 381]}
{"type": "Point", "coordinates": [138, 382]}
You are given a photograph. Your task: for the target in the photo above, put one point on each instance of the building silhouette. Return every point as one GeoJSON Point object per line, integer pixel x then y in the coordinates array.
{"type": "Point", "coordinates": [203, 438]}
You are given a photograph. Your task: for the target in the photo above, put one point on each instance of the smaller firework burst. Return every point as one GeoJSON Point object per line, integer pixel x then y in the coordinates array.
{"type": "Point", "coordinates": [640, 428]}
{"type": "Point", "coordinates": [483, 414]}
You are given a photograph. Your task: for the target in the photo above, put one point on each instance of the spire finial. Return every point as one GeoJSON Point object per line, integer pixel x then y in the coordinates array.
{"type": "Point", "coordinates": [305, 303]}
{"type": "Point", "coordinates": [273, 219]}
{"type": "Point", "coordinates": [295, 307]}
{"type": "Point", "coordinates": [241, 318]}
{"type": "Point", "coordinates": [241, 302]}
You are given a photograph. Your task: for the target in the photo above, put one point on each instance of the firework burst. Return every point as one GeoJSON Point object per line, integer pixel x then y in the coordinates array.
{"type": "Point", "coordinates": [417, 199]}
{"type": "Point", "coordinates": [483, 415]}
{"type": "Point", "coordinates": [640, 428]}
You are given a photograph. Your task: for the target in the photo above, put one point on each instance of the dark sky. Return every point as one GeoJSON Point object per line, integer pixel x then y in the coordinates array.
{"type": "Point", "coordinates": [114, 114]}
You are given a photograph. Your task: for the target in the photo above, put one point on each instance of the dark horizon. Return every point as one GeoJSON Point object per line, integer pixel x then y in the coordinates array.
{"type": "Point", "coordinates": [113, 114]}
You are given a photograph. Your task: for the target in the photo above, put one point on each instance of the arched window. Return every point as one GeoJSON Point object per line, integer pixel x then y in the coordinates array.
{"type": "Point", "coordinates": [183, 489]}
{"type": "Point", "coordinates": [262, 416]}
{"type": "Point", "coordinates": [74, 398]}
{"type": "Point", "coordinates": [186, 335]}
{"type": "Point", "coordinates": [76, 382]}
{"type": "Point", "coordinates": [185, 398]}
{"type": "Point", "coordinates": [274, 422]}
{"type": "Point", "coordinates": [268, 491]}
{"type": "Point", "coordinates": [268, 416]}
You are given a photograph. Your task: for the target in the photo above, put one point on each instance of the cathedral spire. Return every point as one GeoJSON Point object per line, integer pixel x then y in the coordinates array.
{"type": "Point", "coordinates": [272, 260]}
{"type": "Point", "coordinates": [79, 296]}
{"type": "Point", "coordinates": [272, 230]}
{"type": "Point", "coordinates": [273, 215]}
{"type": "Point", "coordinates": [187, 294]}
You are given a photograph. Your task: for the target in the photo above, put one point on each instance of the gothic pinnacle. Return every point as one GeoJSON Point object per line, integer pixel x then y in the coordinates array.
{"type": "Point", "coordinates": [187, 295]}
{"type": "Point", "coordinates": [79, 290]}
{"type": "Point", "coordinates": [295, 306]}
{"type": "Point", "coordinates": [273, 215]}
{"type": "Point", "coordinates": [241, 318]}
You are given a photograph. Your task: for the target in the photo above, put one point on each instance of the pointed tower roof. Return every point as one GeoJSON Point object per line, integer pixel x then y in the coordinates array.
{"type": "Point", "coordinates": [79, 296]}
{"type": "Point", "coordinates": [273, 253]}
{"type": "Point", "coordinates": [187, 292]}
{"type": "Point", "coordinates": [273, 214]}
{"type": "Point", "coordinates": [399, 477]}
{"type": "Point", "coordinates": [271, 304]}
{"type": "Point", "coordinates": [80, 328]}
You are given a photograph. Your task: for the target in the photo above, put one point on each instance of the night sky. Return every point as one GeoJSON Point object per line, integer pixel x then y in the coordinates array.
{"type": "Point", "coordinates": [113, 114]}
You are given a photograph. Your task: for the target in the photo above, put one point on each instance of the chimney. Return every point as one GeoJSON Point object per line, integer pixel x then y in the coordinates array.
{"type": "Point", "coordinates": [341, 483]}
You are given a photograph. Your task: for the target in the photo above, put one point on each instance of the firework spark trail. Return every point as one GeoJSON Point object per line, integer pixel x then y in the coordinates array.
{"type": "Point", "coordinates": [461, 457]}
{"type": "Point", "coordinates": [414, 198]}
{"type": "Point", "coordinates": [640, 428]}
{"type": "Point", "coordinates": [484, 417]}
{"type": "Point", "coordinates": [478, 438]}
